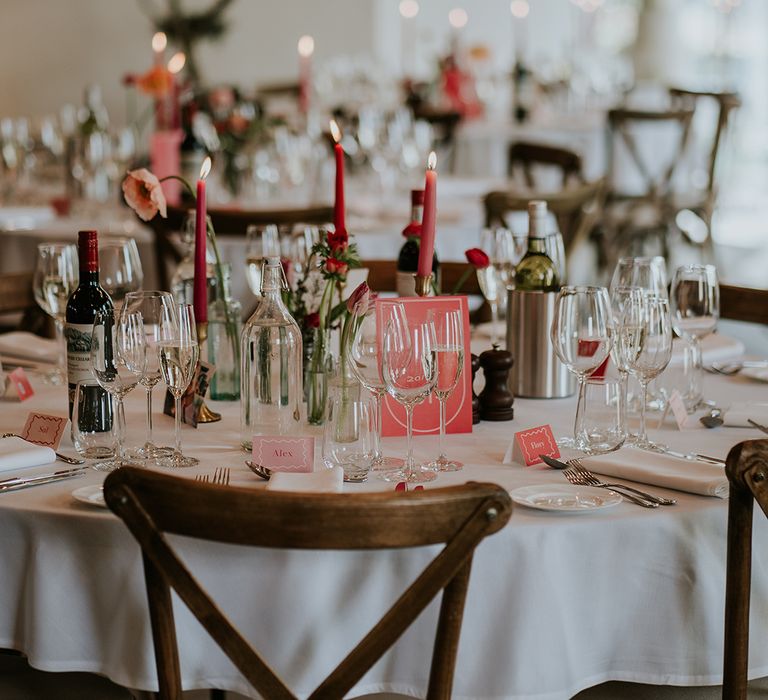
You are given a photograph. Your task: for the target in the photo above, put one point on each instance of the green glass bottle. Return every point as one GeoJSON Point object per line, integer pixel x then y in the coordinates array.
{"type": "Point", "coordinates": [536, 272]}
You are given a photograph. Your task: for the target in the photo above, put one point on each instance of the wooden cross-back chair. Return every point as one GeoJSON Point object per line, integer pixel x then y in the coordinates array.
{"type": "Point", "coordinates": [17, 297]}
{"type": "Point", "coordinates": [226, 222]}
{"type": "Point", "coordinates": [631, 217]}
{"type": "Point", "coordinates": [747, 470]}
{"type": "Point", "coordinates": [747, 304]}
{"type": "Point", "coordinates": [527, 156]}
{"type": "Point", "coordinates": [153, 504]}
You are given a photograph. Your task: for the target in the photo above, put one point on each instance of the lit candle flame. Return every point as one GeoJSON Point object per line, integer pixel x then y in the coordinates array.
{"type": "Point", "coordinates": [205, 168]}
{"type": "Point", "coordinates": [306, 46]}
{"type": "Point", "coordinates": [177, 62]}
{"type": "Point", "coordinates": [432, 161]}
{"type": "Point", "coordinates": [335, 131]}
{"type": "Point", "coordinates": [159, 42]}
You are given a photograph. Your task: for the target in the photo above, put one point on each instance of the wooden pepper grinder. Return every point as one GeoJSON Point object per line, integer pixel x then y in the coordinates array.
{"type": "Point", "coordinates": [496, 399]}
{"type": "Point", "coordinates": [475, 400]}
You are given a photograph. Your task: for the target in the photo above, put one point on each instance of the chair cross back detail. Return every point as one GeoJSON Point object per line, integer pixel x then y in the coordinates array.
{"type": "Point", "coordinates": [619, 121]}
{"type": "Point", "coordinates": [153, 504]}
{"type": "Point", "coordinates": [527, 155]}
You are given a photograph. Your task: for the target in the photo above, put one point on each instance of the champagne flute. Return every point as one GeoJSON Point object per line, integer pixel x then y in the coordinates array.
{"type": "Point", "coordinates": [647, 330]}
{"type": "Point", "coordinates": [409, 369]}
{"type": "Point", "coordinates": [120, 268]}
{"type": "Point", "coordinates": [119, 358]}
{"type": "Point", "coordinates": [622, 298]}
{"type": "Point", "coordinates": [364, 355]}
{"type": "Point", "coordinates": [152, 305]}
{"type": "Point", "coordinates": [179, 352]}
{"type": "Point", "coordinates": [499, 245]}
{"type": "Point", "coordinates": [582, 335]}
{"type": "Point", "coordinates": [695, 308]}
{"type": "Point", "coordinates": [449, 333]}
{"type": "Point", "coordinates": [261, 242]}
{"type": "Point", "coordinates": [56, 277]}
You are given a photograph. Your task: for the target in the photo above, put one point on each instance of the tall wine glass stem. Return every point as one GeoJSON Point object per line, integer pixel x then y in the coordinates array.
{"type": "Point", "coordinates": [694, 372]}
{"type": "Point", "coordinates": [623, 407]}
{"type": "Point", "coordinates": [408, 469]}
{"type": "Point", "coordinates": [120, 427]}
{"type": "Point", "coordinates": [177, 426]}
{"type": "Point", "coordinates": [578, 424]}
{"type": "Point", "coordinates": [149, 442]}
{"type": "Point", "coordinates": [61, 358]}
{"type": "Point", "coordinates": [377, 395]}
{"type": "Point", "coordinates": [494, 321]}
{"type": "Point", "coordinates": [441, 439]}
{"type": "Point", "coordinates": [643, 436]}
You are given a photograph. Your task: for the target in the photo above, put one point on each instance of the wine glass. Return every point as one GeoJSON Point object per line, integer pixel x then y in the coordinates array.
{"type": "Point", "coordinates": [179, 352]}
{"type": "Point", "coordinates": [621, 300]}
{"type": "Point", "coordinates": [119, 358]}
{"type": "Point", "coordinates": [120, 268]}
{"type": "Point", "coordinates": [152, 306]}
{"type": "Point", "coordinates": [647, 341]}
{"type": "Point", "coordinates": [409, 369]}
{"type": "Point", "coordinates": [261, 242]}
{"type": "Point", "coordinates": [499, 245]}
{"type": "Point", "coordinates": [56, 277]}
{"type": "Point", "coordinates": [647, 273]}
{"type": "Point", "coordinates": [695, 307]}
{"type": "Point", "coordinates": [582, 335]}
{"type": "Point", "coordinates": [449, 333]}
{"type": "Point", "coordinates": [364, 356]}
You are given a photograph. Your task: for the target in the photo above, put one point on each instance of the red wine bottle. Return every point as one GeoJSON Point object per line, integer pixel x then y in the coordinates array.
{"type": "Point", "coordinates": [82, 306]}
{"type": "Point", "coordinates": [408, 259]}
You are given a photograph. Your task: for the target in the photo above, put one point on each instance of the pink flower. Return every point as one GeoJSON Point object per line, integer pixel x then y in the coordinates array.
{"type": "Point", "coordinates": [144, 194]}
{"type": "Point", "coordinates": [360, 300]}
{"type": "Point", "coordinates": [477, 258]}
{"type": "Point", "coordinates": [335, 267]}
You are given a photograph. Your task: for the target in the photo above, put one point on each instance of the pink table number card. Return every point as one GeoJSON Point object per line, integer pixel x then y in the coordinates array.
{"type": "Point", "coordinates": [284, 454]}
{"type": "Point", "coordinates": [529, 444]}
{"type": "Point", "coordinates": [44, 429]}
{"type": "Point", "coordinates": [426, 416]}
{"type": "Point", "coordinates": [19, 383]}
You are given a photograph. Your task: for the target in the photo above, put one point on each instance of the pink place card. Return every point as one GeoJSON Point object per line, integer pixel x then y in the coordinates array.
{"type": "Point", "coordinates": [426, 416]}
{"type": "Point", "coordinates": [529, 444]}
{"type": "Point", "coordinates": [284, 454]}
{"type": "Point", "coordinates": [44, 429]}
{"type": "Point", "coordinates": [20, 383]}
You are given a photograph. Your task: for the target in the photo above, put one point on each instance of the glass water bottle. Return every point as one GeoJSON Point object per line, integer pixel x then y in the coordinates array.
{"type": "Point", "coordinates": [271, 352]}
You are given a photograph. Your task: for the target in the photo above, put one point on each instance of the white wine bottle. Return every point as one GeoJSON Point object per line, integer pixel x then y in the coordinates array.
{"type": "Point", "coordinates": [537, 272]}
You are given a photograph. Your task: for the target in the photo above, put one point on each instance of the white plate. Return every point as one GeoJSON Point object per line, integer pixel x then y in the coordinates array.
{"type": "Point", "coordinates": [565, 498]}
{"type": "Point", "coordinates": [758, 373]}
{"type": "Point", "coordinates": [92, 495]}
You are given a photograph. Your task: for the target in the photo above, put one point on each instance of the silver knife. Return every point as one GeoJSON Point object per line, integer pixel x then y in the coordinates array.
{"type": "Point", "coordinates": [17, 483]}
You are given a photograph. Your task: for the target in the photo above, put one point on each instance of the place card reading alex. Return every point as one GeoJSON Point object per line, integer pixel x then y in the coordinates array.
{"type": "Point", "coordinates": [284, 454]}
{"type": "Point", "coordinates": [44, 429]}
{"type": "Point", "coordinates": [527, 445]}
{"type": "Point", "coordinates": [18, 381]}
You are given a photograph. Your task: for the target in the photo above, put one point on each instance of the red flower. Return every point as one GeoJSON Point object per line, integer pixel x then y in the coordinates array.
{"type": "Point", "coordinates": [334, 266]}
{"type": "Point", "coordinates": [360, 300]}
{"type": "Point", "coordinates": [338, 240]}
{"type": "Point", "coordinates": [312, 320]}
{"type": "Point", "coordinates": [156, 82]}
{"type": "Point", "coordinates": [477, 258]}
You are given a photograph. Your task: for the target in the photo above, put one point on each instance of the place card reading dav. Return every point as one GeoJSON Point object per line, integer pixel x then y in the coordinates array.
{"type": "Point", "coordinates": [284, 454]}
{"type": "Point", "coordinates": [527, 445]}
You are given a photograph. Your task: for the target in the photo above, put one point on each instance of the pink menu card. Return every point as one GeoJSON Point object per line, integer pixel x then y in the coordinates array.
{"type": "Point", "coordinates": [426, 416]}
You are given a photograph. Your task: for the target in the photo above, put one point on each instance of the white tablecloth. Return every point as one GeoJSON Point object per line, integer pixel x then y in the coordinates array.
{"type": "Point", "coordinates": [557, 602]}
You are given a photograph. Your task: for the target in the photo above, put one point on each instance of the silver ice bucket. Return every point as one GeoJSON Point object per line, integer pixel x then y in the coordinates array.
{"type": "Point", "coordinates": [537, 372]}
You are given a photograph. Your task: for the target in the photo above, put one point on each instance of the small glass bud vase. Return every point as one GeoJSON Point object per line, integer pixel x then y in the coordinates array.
{"type": "Point", "coordinates": [224, 328]}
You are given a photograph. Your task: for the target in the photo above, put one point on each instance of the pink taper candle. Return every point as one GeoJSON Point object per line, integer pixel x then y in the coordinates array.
{"type": "Point", "coordinates": [427, 244]}
{"type": "Point", "coordinates": [200, 289]}
{"type": "Point", "coordinates": [339, 222]}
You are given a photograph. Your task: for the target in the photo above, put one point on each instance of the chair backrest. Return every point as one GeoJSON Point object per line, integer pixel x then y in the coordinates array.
{"type": "Point", "coordinates": [623, 125]}
{"type": "Point", "coordinates": [744, 304]}
{"type": "Point", "coordinates": [382, 276]}
{"type": "Point", "coordinates": [16, 292]}
{"type": "Point", "coordinates": [747, 470]}
{"type": "Point", "coordinates": [153, 504]}
{"type": "Point", "coordinates": [527, 156]}
{"type": "Point", "coordinates": [232, 222]}
{"type": "Point", "coordinates": [577, 209]}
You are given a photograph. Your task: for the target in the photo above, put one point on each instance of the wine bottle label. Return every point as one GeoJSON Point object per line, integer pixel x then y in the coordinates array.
{"type": "Point", "coordinates": [78, 339]}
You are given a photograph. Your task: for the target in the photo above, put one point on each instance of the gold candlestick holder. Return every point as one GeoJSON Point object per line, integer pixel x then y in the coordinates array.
{"type": "Point", "coordinates": [423, 285]}
{"type": "Point", "coordinates": [205, 414]}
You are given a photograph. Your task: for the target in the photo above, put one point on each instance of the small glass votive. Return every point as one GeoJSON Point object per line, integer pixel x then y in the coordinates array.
{"type": "Point", "coordinates": [349, 437]}
{"type": "Point", "coordinates": [93, 422]}
{"type": "Point", "coordinates": [604, 424]}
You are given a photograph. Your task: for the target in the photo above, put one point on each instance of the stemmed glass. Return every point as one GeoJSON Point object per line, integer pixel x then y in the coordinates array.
{"type": "Point", "coordinates": [582, 335]}
{"type": "Point", "coordinates": [695, 307]}
{"type": "Point", "coordinates": [261, 242]}
{"type": "Point", "coordinates": [621, 300]}
{"type": "Point", "coordinates": [119, 358]}
{"type": "Point", "coordinates": [449, 333]}
{"type": "Point", "coordinates": [499, 245]}
{"type": "Point", "coordinates": [179, 352]}
{"type": "Point", "coordinates": [56, 277]}
{"type": "Point", "coordinates": [152, 306]}
{"type": "Point", "coordinates": [120, 268]}
{"type": "Point", "coordinates": [647, 341]}
{"type": "Point", "coordinates": [409, 368]}
{"type": "Point", "coordinates": [647, 273]}
{"type": "Point", "coordinates": [364, 356]}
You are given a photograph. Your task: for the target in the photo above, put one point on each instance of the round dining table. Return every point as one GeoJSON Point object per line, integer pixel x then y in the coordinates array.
{"type": "Point", "coordinates": [557, 602]}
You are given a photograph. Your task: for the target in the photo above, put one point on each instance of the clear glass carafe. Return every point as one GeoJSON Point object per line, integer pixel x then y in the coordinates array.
{"type": "Point", "coordinates": [271, 359]}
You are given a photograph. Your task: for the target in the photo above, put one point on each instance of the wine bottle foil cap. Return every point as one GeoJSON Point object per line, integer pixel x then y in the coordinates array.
{"type": "Point", "coordinates": [273, 260]}
{"type": "Point", "coordinates": [417, 198]}
{"type": "Point", "coordinates": [88, 250]}
{"type": "Point", "coordinates": [537, 207]}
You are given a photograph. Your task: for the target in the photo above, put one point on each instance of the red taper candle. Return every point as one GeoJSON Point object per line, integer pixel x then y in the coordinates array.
{"type": "Point", "coordinates": [427, 244]}
{"type": "Point", "coordinates": [200, 289]}
{"type": "Point", "coordinates": [339, 221]}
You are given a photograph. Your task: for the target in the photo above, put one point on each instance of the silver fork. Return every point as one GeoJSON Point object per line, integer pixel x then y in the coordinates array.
{"type": "Point", "coordinates": [221, 476]}
{"type": "Point", "coordinates": [204, 478]}
{"type": "Point", "coordinates": [579, 479]}
{"type": "Point", "coordinates": [576, 464]}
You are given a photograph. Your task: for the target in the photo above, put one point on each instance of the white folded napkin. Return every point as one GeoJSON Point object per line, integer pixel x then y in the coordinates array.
{"type": "Point", "coordinates": [738, 413]}
{"type": "Point", "coordinates": [661, 470]}
{"type": "Point", "coordinates": [321, 481]}
{"type": "Point", "coordinates": [27, 346]}
{"type": "Point", "coordinates": [715, 347]}
{"type": "Point", "coordinates": [16, 453]}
